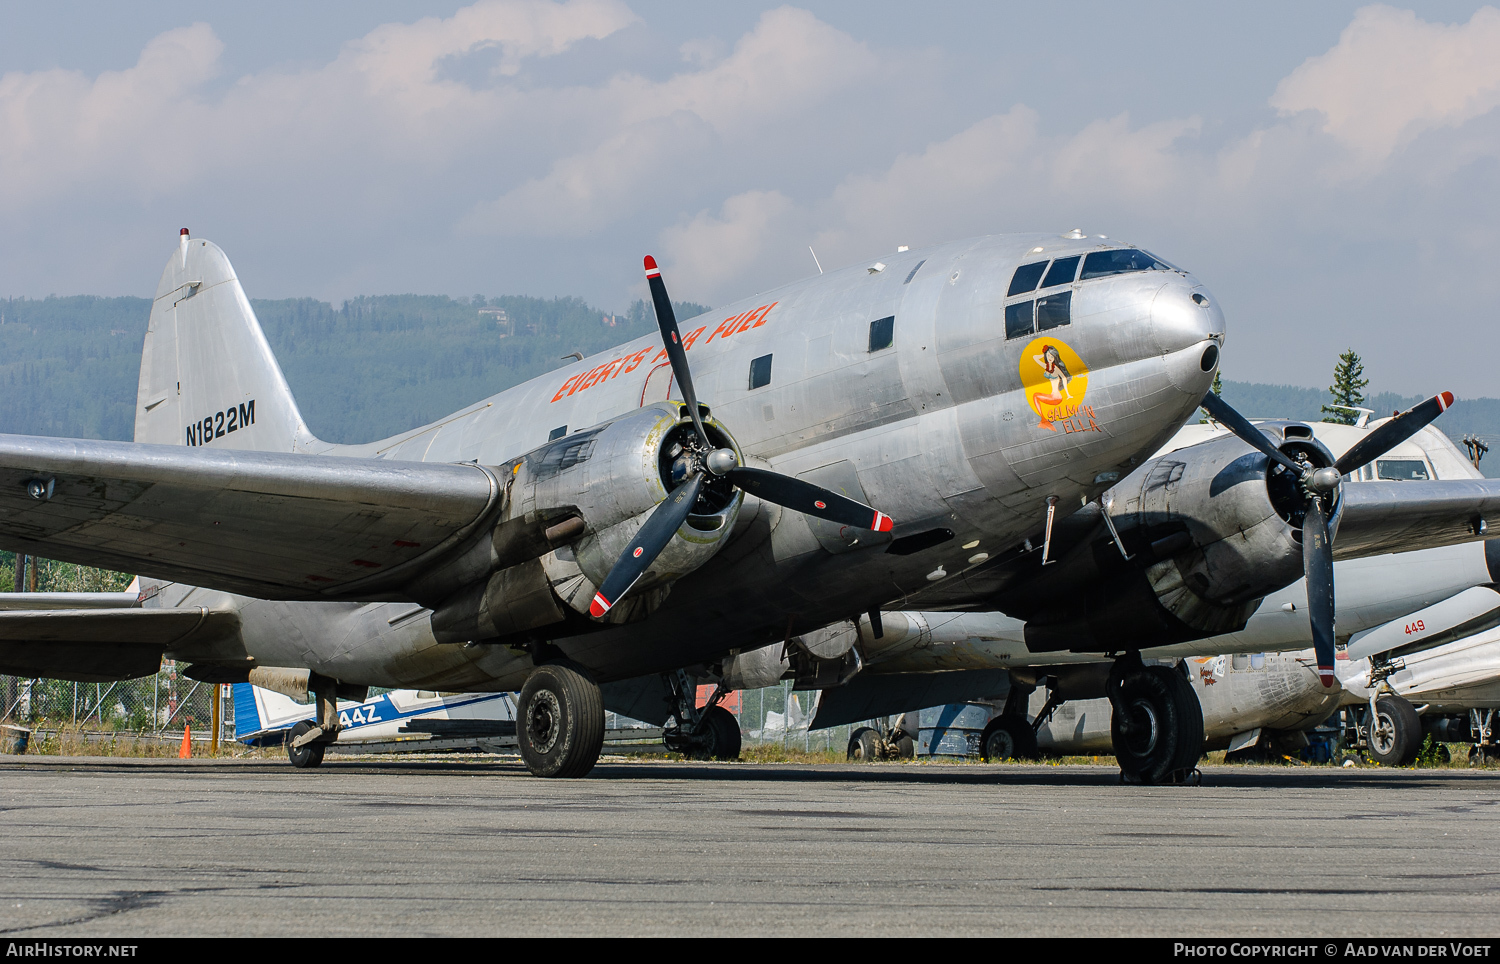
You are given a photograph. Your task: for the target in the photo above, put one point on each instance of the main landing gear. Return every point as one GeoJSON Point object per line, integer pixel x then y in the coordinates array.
{"type": "Point", "coordinates": [1156, 724]}
{"type": "Point", "coordinates": [709, 733]}
{"type": "Point", "coordinates": [560, 724]}
{"type": "Point", "coordinates": [306, 741]}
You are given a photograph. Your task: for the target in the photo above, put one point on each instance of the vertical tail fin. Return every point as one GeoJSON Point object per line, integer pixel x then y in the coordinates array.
{"type": "Point", "coordinates": [207, 373]}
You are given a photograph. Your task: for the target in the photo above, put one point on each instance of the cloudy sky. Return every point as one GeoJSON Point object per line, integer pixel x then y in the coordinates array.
{"type": "Point", "coordinates": [1329, 170]}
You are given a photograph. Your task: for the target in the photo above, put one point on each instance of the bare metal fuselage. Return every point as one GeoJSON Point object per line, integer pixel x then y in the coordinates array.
{"type": "Point", "coordinates": [939, 430]}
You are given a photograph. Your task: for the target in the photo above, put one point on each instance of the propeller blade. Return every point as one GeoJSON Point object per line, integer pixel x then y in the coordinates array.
{"type": "Point", "coordinates": [666, 320]}
{"type": "Point", "coordinates": [665, 520]}
{"type": "Point", "coordinates": [1239, 425]}
{"type": "Point", "coordinates": [808, 498]}
{"type": "Point", "coordinates": [1317, 565]}
{"type": "Point", "coordinates": [1393, 433]}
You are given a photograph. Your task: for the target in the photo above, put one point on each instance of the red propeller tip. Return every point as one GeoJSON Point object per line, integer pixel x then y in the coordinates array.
{"type": "Point", "coordinates": [883, 522]}
{"type": "Point", "coordinates": [651, 267]}
{"type": "Point", "coordinates": [599, 606]}
{"type": "Point", "coordinates": [1326, 675]}
{"type": "Point", "coordinates": [1445, 399]}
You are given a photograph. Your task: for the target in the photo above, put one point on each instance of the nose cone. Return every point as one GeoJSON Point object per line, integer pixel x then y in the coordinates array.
{"type": "Point", "coordinates": [1183, 316]}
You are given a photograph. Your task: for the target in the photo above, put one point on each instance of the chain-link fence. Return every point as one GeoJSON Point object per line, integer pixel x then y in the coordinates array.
{"type": "Point", "coordinates": [163, 703]}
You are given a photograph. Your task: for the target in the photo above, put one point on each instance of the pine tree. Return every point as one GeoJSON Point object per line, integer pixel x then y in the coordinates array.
{"type": "Point", "coordinates": [1218, 389]}
{"type": "Point", "coordinates": [1347, 389]}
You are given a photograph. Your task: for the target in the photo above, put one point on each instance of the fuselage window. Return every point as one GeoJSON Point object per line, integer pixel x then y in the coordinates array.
{"type": "Point", "coordinates": [882, 333]}
{"type": "Point", "coordinates": [1063, 270]}
{"type": "Point", "coordinates": [913, 273]}
{"type": "Point", "coordinates": [557, 433]}
{"type": "Point", "coordinates": [1101, 264]}
{"type": "Point", "coordinates": [1018, 319]}
{"type": "Point", "coordinates": [1052, 311]}
{"type": "Point", "coordinates": [760, 371]}
{"type": "Point", "coordinates": [1025, 278]}
{"type": "Point", "coordinates": [1401, 470]}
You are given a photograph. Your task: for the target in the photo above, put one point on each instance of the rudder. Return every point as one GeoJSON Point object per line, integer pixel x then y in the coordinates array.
{"type": "Point", "coordinates": [208, 376]}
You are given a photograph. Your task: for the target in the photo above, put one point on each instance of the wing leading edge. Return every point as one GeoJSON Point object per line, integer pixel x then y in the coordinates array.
{"type": "Point", "coordinates": [266, 524]}
{"type": "Point", "coordinates": [1380, 517]}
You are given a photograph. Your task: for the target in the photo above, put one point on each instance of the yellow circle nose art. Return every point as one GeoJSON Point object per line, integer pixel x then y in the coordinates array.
{"type": "Point", "coordinates": [1055, 379]}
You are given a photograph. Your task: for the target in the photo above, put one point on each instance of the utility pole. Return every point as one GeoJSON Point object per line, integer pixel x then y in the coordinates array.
{"type": "Point", "coordinates": [218, 717]}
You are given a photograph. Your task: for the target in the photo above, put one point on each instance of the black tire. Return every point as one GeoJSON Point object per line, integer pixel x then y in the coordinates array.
{"type": "Point", "coordinates": [906, 747]}
{"type": "Point", "coordinates": [560, 725]}
{"type": "Point", "coordinates": [1394, 737]}
{"type": "Point", "coordinates": [307, 756]}
{"type": "Point", "coordinates": [1168, 734]}
{"type": "Point", "coordinates": [1008, 738]}
{"type": "Point", "coordinates": [864, 745]}
{"type": "Point", "coordinates": [722, 732]}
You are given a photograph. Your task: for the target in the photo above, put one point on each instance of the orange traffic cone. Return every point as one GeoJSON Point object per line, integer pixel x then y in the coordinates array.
{"type": "Point", "coordinates": [186, 751]}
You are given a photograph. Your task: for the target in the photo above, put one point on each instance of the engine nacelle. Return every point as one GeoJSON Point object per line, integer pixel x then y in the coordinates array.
{"type": "Point", "coordinates": [1210, 531]}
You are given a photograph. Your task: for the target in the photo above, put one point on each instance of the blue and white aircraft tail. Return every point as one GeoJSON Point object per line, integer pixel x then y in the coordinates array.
{"type": "Point", "coordinates": [263, 717]}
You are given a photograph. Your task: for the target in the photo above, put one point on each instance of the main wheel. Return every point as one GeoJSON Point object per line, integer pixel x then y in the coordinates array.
{"type": "Point", "coordinates": [1395, 735]}
{"type": "Point", "coordinates": [1008, 738]}
{"type": "Point", "coordinates": [864, 745]}
{"type": "Point", "coordinates": [560, 729]}
{"type": "Point", "coordinates": [1165, 735]}
{"type": "Point", "coordinates": [309, 754]}
{"type": "Point", "coordinates": [722, 733]}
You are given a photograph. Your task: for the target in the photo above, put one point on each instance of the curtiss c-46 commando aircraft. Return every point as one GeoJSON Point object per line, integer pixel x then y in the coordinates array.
{"type": "Point", "coordinates": [601, 524]}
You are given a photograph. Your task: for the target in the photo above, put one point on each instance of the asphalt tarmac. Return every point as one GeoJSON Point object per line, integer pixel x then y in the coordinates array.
{"type": "Point", "coordinates": [114, 847]}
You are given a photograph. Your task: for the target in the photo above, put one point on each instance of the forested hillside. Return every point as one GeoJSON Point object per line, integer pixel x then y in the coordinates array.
{"type": "Point", "coordinates": [369, 368]}
{"type": "Point", "coordinates": [377, 365]}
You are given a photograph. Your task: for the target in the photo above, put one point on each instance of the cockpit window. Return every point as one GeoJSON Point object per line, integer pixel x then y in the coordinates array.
{"type": "Point", "coordinates": [1026, 277]}
{"type": "Point", "coordinates": [1018, 319]}
{"type": "Point", "coordinates": [1101, 264]}
{"type": "Point", "coordinates": [1063, 270]}
{"type": "Point", "coordinates": [1401, 470]}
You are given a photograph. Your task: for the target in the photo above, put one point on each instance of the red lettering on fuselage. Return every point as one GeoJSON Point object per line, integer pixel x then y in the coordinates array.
{"type": "Point", "coordinates": [624, 365]}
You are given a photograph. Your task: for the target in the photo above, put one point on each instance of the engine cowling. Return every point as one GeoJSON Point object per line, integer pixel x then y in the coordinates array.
{"type": "Point", "coordinates": [602, 483]}
{"type": "Point", "coordinates": [1210, 531]}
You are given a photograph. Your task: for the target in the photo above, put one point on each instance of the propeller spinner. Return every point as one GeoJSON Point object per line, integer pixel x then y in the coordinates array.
{"type": "Point", "coordinates": [704, 461]}
{"type": "Point", "coordinates": [1319, 488]}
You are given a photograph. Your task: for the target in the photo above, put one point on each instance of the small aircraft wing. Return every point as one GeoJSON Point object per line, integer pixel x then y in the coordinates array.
{"type": "Point", "coordinates": [1381, 517]}
{"type": "Point", "coordinates": [266, 524]}
{"type": "Point", "coordinates": [99, 645]}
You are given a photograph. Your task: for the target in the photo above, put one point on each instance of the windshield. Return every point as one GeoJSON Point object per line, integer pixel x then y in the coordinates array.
{"type": "Point", "coordinates": [1101, 264]}
{"type": "Point", "coordinates": [1401, 470]}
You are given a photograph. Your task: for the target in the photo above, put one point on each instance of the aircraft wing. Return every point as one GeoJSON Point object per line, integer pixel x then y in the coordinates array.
{"type": "Point", "coordinates": [99, 645]}
{"type": "Point", "coordinates": [1384, 517]}
{"type": "Point", "coordinates": [266, 524]}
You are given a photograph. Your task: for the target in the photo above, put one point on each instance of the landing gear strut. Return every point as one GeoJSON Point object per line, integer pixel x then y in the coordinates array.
{"type": "Point", "coordinates": [1156, 724]}
{"type": "Point", "coordinates": [710, 733]}
{"type": "Point", "coordinates": [560, 724]}
{"type": "Point", "coordinates": [307, 741]}
{"type": "Point", "coordinates": [890, 741]}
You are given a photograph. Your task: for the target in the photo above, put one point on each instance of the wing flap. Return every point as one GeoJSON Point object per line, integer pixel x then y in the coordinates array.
{"type": "Point", "coordinates": [267, 524]}
{"type": "Point", "coordinates": [99, 645]}
{"type": "Point", "coordinates": [1381, 517]}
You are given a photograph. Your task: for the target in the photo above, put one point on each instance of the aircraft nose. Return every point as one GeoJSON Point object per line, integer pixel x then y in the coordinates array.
{"type": "Point", "coordinates": [1183, 316]}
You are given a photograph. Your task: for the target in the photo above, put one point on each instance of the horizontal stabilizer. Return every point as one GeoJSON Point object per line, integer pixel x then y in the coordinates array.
{"type": "Point", "coordinates": [1472, 611]}
{"type": "Point", "coordinates": [267, 524]}
{"type": "Point", "coordinates": [867, 697]}
{"type": "Point", "coordinates": [101, 645]}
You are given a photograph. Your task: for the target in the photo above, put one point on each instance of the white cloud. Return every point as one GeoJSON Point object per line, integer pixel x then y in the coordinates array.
{"type": "Point", "coordinates": [1392, 76]}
